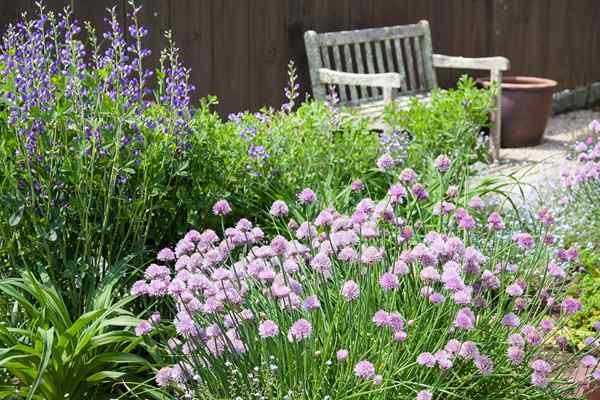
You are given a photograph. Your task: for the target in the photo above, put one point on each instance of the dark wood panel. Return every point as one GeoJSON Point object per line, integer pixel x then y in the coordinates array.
{"type": "Point", "coordinates": [268, 52]}
{"type": "Point", "coordinates": [192, 22]}
{"type": "Point", "coordinates": [239, 49]}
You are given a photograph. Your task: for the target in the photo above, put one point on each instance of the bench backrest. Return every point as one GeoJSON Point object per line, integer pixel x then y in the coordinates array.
{"type": "Point", "coordinates": [405, 49]}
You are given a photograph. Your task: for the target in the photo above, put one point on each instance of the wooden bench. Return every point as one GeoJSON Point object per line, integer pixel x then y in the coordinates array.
{"type": "Point", "coordinates": [371, 67]}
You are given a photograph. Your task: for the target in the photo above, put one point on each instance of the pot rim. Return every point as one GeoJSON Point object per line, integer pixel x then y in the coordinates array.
{"type": "Point", "coordinates": [523, 83]}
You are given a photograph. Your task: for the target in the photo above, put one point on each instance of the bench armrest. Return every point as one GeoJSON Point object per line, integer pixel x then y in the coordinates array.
{"type": "Point", "coordinates": [485, 63]}
{"type": "Point", "coordinates": [389, 81]}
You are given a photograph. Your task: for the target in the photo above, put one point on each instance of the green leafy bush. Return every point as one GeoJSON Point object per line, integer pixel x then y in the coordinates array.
{"type": "Point", "coordinates": [451, 123]}
{"type": "Point", "coordinates": [54, 356]}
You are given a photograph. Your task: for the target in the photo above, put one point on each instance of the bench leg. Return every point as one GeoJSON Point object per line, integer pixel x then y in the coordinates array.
{"type": "Point", "coordinates": [496, 129]}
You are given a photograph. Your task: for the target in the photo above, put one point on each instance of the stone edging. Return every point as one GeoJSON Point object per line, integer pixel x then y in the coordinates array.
{"type": "Point", "coordinates": [575, 99]}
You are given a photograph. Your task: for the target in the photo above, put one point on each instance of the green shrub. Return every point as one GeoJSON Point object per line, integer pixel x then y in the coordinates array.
{"type": "Point", "coordinates": [450, 124]}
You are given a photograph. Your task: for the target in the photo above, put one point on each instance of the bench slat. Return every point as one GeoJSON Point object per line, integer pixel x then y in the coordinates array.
{"type": "Point", "coordinates": [410, 65]}
{"type": "Point", "coordinates": [360, 66]}
{"type": "Point", "coordinates": [350, 68]}
{"type": "Point", "coordinates": [371, 66]}
{"type": "Point", "coordinates": [337, 61]}
{"type": "Point", "coordinates": [422, 84]}
{"type": "Point", "coordinates": [400, 60]}
{"type": "Point", "coordinates": [370, 35]}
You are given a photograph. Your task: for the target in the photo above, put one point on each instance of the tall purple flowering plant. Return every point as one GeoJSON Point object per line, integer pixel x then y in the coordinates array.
{"type": "Point", "coordinates": [90, 154]}
{"type": "Point", "coordinates": [369, 303]}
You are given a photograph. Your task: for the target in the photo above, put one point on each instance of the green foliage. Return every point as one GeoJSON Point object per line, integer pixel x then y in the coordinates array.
{"type": "Point", "coordinates": [55, 356]}
{"type": "Point", "coordinates": [450, 124]}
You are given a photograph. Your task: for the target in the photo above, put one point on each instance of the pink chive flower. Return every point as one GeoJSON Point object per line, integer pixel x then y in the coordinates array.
{"type": "Point", "coordinates": [268, 329]}
{"type": "Point", "coordinates": [424, 395]}
{"type": "Point", "coordinates": [589, 361]}
{"type": "Point", "coordinates": [381, 318]}
{"type": "Point", "coordinates": [442, 163]}
{"type": "Point", "coordinates": [357, 185]}
{"type": "Point", "coordinates": [165, 254]}
{"type": "Point", "coordinates": [426, 359]}
{"type": "Point", "coordinates": [385, 162]}
{"type": "Point", "coordinates": [523, 240]}
{"type": "Point", "coordinates": [364, 369]}
{"type": "Point", "coordinates": [377, 380]}
{"type": "Point", "coordinates": [476, 203]}
{"type": "Point", "coordinates": [350, 290]}
{"type": "Point", "coordinates": [279, 209]}
{"type": "Point", "coordinates": [388, 281]}
{"type": "Point", "coordinates": [515, 355]}
{"type": "Point", "coordinates": [465, 319]}
{"type": "Point", "coordinates": [495, 221]}
{"type": "Point", "coordinates": [143, 328]}
{"type": "Point", "coordinates": [571, 305]}
{"type": "Point", "coordinates": [307, 196]}
{"type": "Point", "coordinates": [408, 176]}
{"type": "Point", "coordinates": [514, 290]}
{"type": "Point", "coordinates": [221, 207]}
{"type": "Point", "coordinates": [311, 303]}
{"type": "Point", "coordinates": [164, 377]}
{"type": "Point", "coordinates": [300, 330]}
{"type": "Point", "coordinates": [511, 320]}
{"type": "Point", "coordinates": [341, 355]}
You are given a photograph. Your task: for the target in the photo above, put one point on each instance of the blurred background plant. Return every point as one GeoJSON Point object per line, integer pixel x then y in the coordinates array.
{"type": "Point", "coordinates": [452, 123]}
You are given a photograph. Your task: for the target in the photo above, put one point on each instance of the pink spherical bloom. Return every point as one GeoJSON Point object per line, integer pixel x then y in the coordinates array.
{"type": "Point", "coordinates": [400, 268]}
{"type": "Point", "coordinates": [430, 274]}
{"type": "Point", "coordinates": [321, 263]}
{"type": "Point", "coordinates": [515, 355]}
{"type": "Point", "coordinates": [139, 288]}
{"type": "Point", "coordinates": [377, 380]}
{"type": "Point", "coordinates": [541, 367]}
{"type": "Point", "coordinates": [385, 162]}
{"type": "Point", "coordinates": [523, 240]}
{"type": "Point", "coordinates": [300, 330]}
{"type": "Point", "coordinates": [165, 254]}
{"type": "Point", "coordinates": [514, 290]}
{"type": "Point", "coordinates": [364, 369]}
{"type": "Point", "coordinates": [347, 254]}
{"type": "Point", "coordinates": [350, 290]}
{"type": "Point", "coordinates": [397, 194]}
{"type": "Point", "coordinates": [465, 319]}
{"type": "Point", "coordinates": [357, 185]}
{"type": "Point", "coordinates": [437, 298]}
{"type": "Point", "coordinates": [545, 217]}
{"type": "Point", "coordinates": [442, 163]}
{"type": "Point", "coordinates": [268, 329]}
{"type": "Point", "coordinates": [419, 192]}
{"type": "Point", "coordinates": [311, 303]}
{"type": "Point", "coordinates": [426, 359]}
{"type": "Point", "coordinates": [341, 355]}
{"type": "Point", "coordinates": [511, 320]}
{"type": "Point", "coordinates": [408, 176]}
{"type": "Point", "coordinates": [424, 395]}
{"type": "Point", "coordinates": [589, 361]}
{"type": "Point", "coordinates": [400, 336]}
{"type": "Point", "coordinates": [597, 326]}
{"type": "Point", "coordinates": [464, 296]}
{"type": "Point", "coordinates": [484, 364]}
{"type": "Point", "coordinates": [279, 209]}
{"type": "Point", "coordinates": [381, 318]}
{"type": "Point", "coordinates": [539, 380]}
{"type": "Point", "coordinates": [143, 328]}
{"type": "Point", "coordinates": [155, 318]}
{"type": "Point", "coordinates": [495, 221]}
{"type": "Point", "coordinates": [570, 305]}
{"type": "Point", "coordinates": [476, 203]}
{"type": "Point", "coordinates": [453, 346]}
{"type": "Point", "coordinates": [469, 350]}
{"type": "Point", "coordinates": [546, 325]}
{"type": "Point", "coordinates": [221, 207]}
{"type": "Point", "coordinates": [371, 255]}
{"type": "Point", "coordinates": [442, 358]}
{"type": "Point", "coordinates": [164, 377]}
{"type": "Point", "coordinates": [388, 281]}
{"type": "Point", "coordinates": [307, 196]}
{"type": "Point", "coordinates": [516, 340]}
{"type": "Point", "coordinates": [452, 191]}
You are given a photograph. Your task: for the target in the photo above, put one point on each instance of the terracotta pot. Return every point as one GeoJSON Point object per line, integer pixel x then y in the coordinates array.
{"type": "Point", "coordinates": [526, 107]}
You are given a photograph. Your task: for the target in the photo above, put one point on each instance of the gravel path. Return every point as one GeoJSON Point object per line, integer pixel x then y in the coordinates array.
{"type": "Point", "coordinates": [539, 167]}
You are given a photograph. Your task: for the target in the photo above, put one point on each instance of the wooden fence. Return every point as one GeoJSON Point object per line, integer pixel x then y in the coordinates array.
{"type": "Point", "coordinates": [238, 49]}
